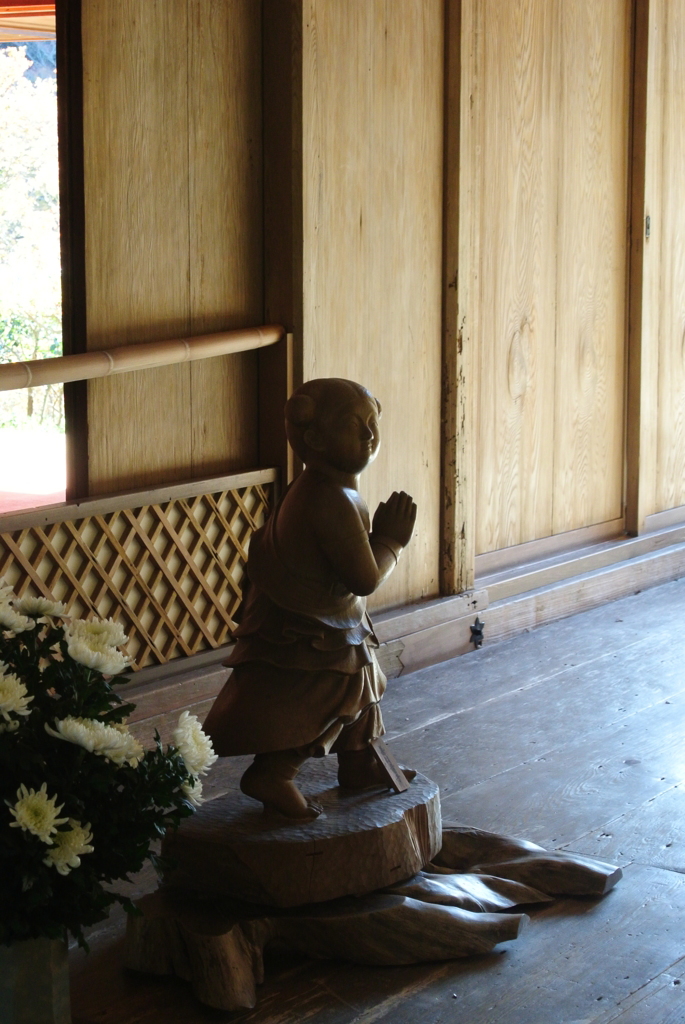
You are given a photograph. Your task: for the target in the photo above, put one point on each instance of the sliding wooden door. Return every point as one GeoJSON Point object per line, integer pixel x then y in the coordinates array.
{"type": "Point", "coordinates": [548, 136]}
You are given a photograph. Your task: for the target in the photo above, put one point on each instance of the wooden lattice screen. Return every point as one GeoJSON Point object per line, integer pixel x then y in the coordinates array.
{"type": "Point", "coordinates": [167, 564]}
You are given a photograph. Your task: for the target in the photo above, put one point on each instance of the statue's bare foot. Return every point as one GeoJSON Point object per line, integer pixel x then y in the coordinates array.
{"type": "Point", "coordinates": [278, 794]}
{"type": "Point", "coordinates": [359, 769]}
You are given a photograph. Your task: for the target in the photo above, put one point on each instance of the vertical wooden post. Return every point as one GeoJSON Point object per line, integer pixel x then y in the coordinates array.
{"type": "Point", "coordinates": [457, 562]}
{"type": "Point", "coordinates": [275, 387]}
{"type": "Point", "coordinates": [72, 234]}
{"type": "Point", "coordinates": [639, 403]}
{"type": "Point", "coordinates": [280, 367]}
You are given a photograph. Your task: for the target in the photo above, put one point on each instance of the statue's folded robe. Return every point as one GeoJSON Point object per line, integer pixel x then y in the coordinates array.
{"type": "Point", "coordinates": [301, 678]}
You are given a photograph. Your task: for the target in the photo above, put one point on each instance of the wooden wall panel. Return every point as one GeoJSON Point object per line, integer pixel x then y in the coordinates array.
{"type": "Point", "coordinates": [516, 271]}
{"type": "Point", "coordinates": [550, 92]}
{"type": "Point", "coordinates": [665, 249]}
{"type": "Point", "coordinates": [591, 268]}
{"type": "Point", "coordinates": [136, 192]}
{"type": "Point", "coordinates": [372, 211]}
{"type": "Point", "coordinates": [172, 136]}
{"type": "Point", "coordinates": [225, 224]}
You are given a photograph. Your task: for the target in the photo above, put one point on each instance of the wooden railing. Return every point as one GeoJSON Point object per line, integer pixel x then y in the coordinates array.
{"type": "Point", "coordinates": [143, 356]}
{"type": "Point", "coordinates": [167, 563]}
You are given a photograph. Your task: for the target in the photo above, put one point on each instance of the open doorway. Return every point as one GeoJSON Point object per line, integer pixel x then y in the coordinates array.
{"type": "Point", "coordinates": [32, 438]}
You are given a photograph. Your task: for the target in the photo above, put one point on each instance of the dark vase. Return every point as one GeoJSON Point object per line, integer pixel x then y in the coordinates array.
{"type": "Point", "coordinates": [34, 982]}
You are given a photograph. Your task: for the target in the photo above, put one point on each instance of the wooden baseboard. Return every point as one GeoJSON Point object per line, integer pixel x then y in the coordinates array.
{"type": "Point", "coordinates": [534, 550]}
{"type": "Point", "coordinates": [671, 517]}
{"type": "Point", "coordinates": [556, 599]}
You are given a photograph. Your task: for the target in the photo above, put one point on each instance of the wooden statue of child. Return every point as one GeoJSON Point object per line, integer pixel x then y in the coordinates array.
{"type": "Point", "coordinates": [305, 678]}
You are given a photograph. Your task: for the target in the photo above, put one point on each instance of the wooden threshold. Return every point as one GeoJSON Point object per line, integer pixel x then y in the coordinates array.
{"type": "Point", "coordinates": [519, 554]}
{"type": "Point", "coordinates": [599, 577]}
{"type": "Point", "coordinates": [545, 571]}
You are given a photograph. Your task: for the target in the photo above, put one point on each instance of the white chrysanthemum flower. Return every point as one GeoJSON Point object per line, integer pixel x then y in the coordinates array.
{"type": "Point", "coordinates": [194, 745]}
{"type": "Point", "coordinates": [10, 619]}
{"type": "Point", "coordinates": [36, 606]}
{"type": "Point", "coordinates": [14, 697]}
{"type": "Point", "coordinates": [114, 742]}
{"type": "Point", "coordinates": [9, 726]}
{"type": "Point", "coordinates": [69, 847]}
{"type": "Point", "coordinates": [192, 791]}
{"type": "Point", "coordinates": [130, 751]}
{"type": "Point", "coordinates": [6, 591]}
{"type": "Point", "coordinates": [98, 631]}
{"type": "Point", "coordinates": [108, 660]}
{"type": "Point", "coordinates": [94, 644]}
{"type": "Point", "coordinates": [36, 813]}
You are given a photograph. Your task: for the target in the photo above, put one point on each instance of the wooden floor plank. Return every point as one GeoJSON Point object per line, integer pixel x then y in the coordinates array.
{"type": "Point", "coordinates": [564, 793]}
{"type": "Point", "coordinates": [646, 619]}
{"type": "Point", "coordinates": [605, 706]}
{"type": "Point", "coordinates": [661, 1001]}
{"type": "Point", "coordinates": [653, 833]}
{"type": "Point", "coordinates": [571, 735]}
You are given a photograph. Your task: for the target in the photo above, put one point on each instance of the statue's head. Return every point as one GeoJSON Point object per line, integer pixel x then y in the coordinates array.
{"type": "Point", "coordinates": [334, 421]}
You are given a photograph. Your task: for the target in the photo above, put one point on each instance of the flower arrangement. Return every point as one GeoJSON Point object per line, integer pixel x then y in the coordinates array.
{"type": "Point", "coordinates": [81, 801]}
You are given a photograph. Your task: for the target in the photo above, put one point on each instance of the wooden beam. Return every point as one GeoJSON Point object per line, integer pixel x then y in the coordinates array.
{"type": "Point", "coordinates": [640, 440]}
{"type": "Point", "coordinates": [457, 561]}
{"type": "Point", "coordinates": [72, 233]}
{"type": "Point", "coordinates": [280, 368]}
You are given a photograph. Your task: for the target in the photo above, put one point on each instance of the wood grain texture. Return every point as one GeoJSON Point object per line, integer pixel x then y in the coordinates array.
{"type": "Point", "coordinates": [280, 370]}
{"type": "Point", "coordinates": [363, 841]}
{"type": "Point", "coordinates": [173, 228]}
{"type": "Point", "coordinates": [665, 257]}
{"type": "Point", "coordinates": [514, 151]}
{"type": "Point", "coordinates": [540, 573]}
{"type": "Point", "coordinates": [219, 948]}
{"type": "Point", "coordinates": [225, 213]}
{"type": "Point", "coordinates": [372, 219]}
{"type": "Point", "coordinates": [136, 189]}
{"type": "Point", "coordinates": [550, 95]}
{"type": "Point", "coordinates": [595, 50]}
{"type": "Point", "coordinates": [459, 385]}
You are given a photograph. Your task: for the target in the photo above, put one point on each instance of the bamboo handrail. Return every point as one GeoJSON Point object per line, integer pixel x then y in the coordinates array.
{"type": "Point", "coordinates": [125, 358]}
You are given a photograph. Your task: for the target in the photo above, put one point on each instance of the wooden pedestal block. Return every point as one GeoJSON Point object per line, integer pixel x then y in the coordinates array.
{"type": "Point", "coordinates": [361, 842]}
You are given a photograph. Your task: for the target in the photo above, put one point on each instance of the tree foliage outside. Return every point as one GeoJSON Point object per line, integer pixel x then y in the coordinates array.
{"type": "Point", "coordinates": [30, 293]}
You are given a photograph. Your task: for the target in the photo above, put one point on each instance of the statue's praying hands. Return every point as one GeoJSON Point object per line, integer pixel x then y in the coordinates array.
{"type": "Point", "coordinates": [395, 519]}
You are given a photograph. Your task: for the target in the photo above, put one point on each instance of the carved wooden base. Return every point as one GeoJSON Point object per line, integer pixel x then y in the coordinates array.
{"type": "Point", "coordinates": [558, 874]}
{"type": "Point", "coordinates": [218, 946]}
{"type": "Point", "coordinates": [458, 905]}
{"type": "Point", "coordinates": [361, 842]}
